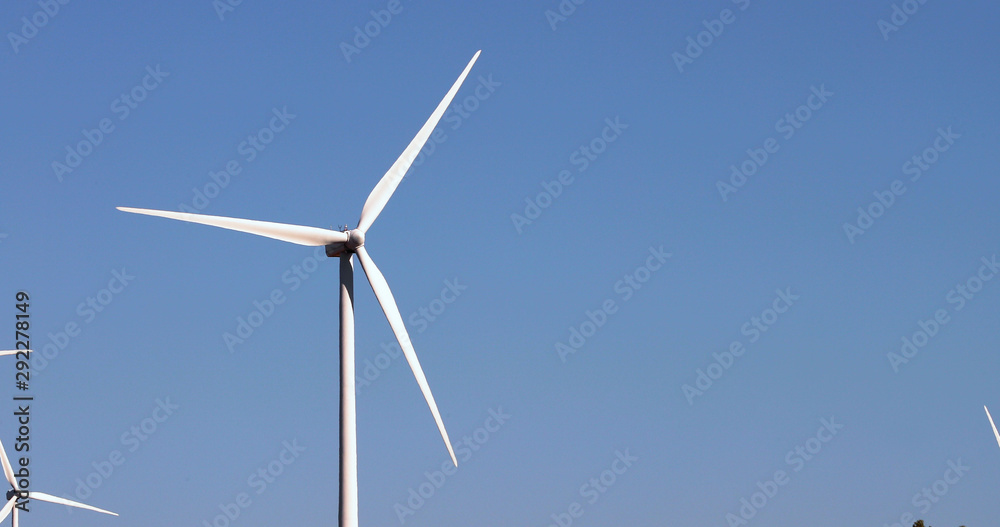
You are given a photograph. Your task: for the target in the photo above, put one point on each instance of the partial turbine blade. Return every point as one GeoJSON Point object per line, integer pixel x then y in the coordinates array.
{"type": "Point", "coordinates": [279, 231]}
{"type": "Point", "coordinates": [387, 185]}
{"type": "Point", "coordinates": [63, 501]}
{"type": "Point", "coordinates": [388, 303]}
{"type": "Point", "coordinates": [13, 516]}
{"type": "Point", "coordinates": [990, 417]}
{"type": "Point", "coordinates": [13, 352]}
{"type": "Point", "coordinates": [7, 471]}
{"type": "Point", "coordinates": [5, 511]}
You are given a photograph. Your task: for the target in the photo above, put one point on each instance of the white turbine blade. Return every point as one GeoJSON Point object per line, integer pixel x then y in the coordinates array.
{"type": "Point", "coordinates": [387, 185]}
{"type": "Point", "coordinates": [279, 231]}
{"type": "Point", "coordinates": [7, 471]}
{"type": "Point", "coordinates": [13, 352]}
{"type": "Point", "coordinates": [63, 501]}
{"type": "Point", "coordinates": [990, 417]}
{"type": "Point", "coordinates": [388, 303]}
{"type": "Point", "coordinates": [13, 516]}
{"type": "Point", "coordinates": [6, 508]}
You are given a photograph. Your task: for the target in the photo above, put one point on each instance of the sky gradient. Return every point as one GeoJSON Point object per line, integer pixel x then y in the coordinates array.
{"type": "Point", "coordinates": [591, 289]}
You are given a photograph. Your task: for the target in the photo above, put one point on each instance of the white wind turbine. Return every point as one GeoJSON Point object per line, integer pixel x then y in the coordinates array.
{"type": "Point", "coordinates": [345, 244]}
{"type": "Point", "coordinates": [13, 494]}
{"type": "Point", "coordinates": [990, 417]}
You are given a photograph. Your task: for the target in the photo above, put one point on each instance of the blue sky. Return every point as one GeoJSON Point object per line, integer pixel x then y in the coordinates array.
{"type": "Point", "coordinates": [625, 150]}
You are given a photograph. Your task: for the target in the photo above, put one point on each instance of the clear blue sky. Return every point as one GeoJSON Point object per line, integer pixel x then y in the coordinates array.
{"type": "Point", "coordinates": [543, 89]}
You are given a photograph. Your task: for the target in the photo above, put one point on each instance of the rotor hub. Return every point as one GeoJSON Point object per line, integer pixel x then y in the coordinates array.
{"type": "Point", "coordinates": [355, 239]}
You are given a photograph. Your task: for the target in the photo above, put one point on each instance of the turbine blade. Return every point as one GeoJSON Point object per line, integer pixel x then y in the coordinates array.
{"type": "Point", "coordinates": [990, 417]}
{"type": "Point", "coordinates": [13, 352]}
{"type": "Point", "coordinates": [7, 471]}
{"type": "Point", "coordinates": [387, 185]}
{"type": "Point", "coordinates": [388, 303]}
{"type": "Point", "coordinates": [279, 231]}
{"type": "Point", "coordinates": [5, 511]}
{"type": "Point", "coordinates": [63, 501]}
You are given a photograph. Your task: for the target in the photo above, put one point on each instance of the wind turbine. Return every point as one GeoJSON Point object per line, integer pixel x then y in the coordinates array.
{"type": "Point", "coordinates": [14, 493]}
{"type": "Point", "coordinates": [346, 244]}
{"type": "Point", "coordinates": [990, 417]}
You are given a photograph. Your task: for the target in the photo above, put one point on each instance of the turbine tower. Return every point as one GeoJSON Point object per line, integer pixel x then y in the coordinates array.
{"type": "Point", "coordinates": [346, 244]}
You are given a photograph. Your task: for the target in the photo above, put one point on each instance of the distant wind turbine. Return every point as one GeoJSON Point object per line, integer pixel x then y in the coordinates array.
{"type": "Point", "coordinates": [990, 417]}
{"type": "Point", "coordinates": [14, 493]}
{"type": "Point", "coordinates": [345, 244]}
